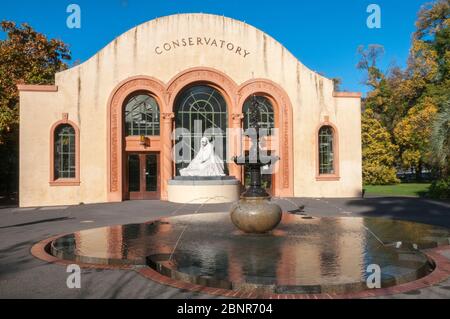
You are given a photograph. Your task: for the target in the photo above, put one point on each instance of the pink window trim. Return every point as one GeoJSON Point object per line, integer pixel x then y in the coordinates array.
{"type": "Point", "coordinates": [336, 175]}
{"type": "Point", "coordinates": [64, 181]}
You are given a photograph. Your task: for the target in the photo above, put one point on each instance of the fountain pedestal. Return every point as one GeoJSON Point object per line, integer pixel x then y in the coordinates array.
{"type": "Point", "coordinates": [254, 213]}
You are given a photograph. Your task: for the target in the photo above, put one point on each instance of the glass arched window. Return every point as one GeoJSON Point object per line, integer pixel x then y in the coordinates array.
{"type": "Point", "coordinates": [326, 150]}
{"type": "Point", "coordinates": [201, 110]}
{"type": "Point", "coordinates": [64, 152]}
{"type": "Point", "coordinates": [267, 115]}
{"type": "Point", "coordinates": [142, 116]}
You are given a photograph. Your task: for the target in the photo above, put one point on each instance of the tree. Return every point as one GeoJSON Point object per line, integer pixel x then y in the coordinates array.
{"type": "Point", "coordinates": [405, 102]}
{"type": "Point", "coordinates": [428, 80]}
{"type": "Point", "coordinates": [429, 60]}
{"type": "Point", "coordinates": [368, 62]}
{"type": "Point", "coordinates": [430, 52]}
{"type": "Point", "coordinates": [337, 82]}
{"type": "Point", "coordinates": [412, 135]}
{"type": "Point", "coordinates": [384, 98]}
{"type": "Point", "coordinates": [432, 39]}
{"type": "Point", "coordinates": [378, 152]}
{"type": "Point", "coordinates": [26, 56]}
{"type": "Point", "coordinates": [440, 140]}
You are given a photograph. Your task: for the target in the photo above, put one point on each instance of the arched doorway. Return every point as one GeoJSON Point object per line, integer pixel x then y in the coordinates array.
{"type": "Point", "coordinates": [200, 110]}
{"type": "Point", "coordinates": [135, 109]}
{"type": "Point", "coordinates": [142, 167]}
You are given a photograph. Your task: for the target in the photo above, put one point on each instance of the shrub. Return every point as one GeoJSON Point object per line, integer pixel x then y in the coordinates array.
{"type": "Point", "coordinates": [440, 189]}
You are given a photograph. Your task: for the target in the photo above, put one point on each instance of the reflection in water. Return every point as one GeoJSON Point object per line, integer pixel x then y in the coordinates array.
{"type": "Point", "coordinates": [301, 252]}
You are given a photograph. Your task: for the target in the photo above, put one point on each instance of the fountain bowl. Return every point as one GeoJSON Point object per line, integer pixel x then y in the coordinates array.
{"type": "Point", "coordinates": [255, 215]}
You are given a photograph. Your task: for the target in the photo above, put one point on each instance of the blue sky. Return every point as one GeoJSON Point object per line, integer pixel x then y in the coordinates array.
{"type": "Point", "coordinates": [323, 34]}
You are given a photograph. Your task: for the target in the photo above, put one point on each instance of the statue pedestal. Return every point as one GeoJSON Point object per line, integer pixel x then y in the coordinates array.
{"type": "Point", "coordinates": [208, 190]}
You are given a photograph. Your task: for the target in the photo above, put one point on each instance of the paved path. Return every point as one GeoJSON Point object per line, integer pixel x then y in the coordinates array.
{"type": "Point", "coordinates": [23, 276]}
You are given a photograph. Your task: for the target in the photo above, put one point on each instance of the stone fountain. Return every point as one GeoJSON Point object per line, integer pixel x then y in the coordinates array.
{"type": "Point", "coordinates": [205, 250]}
{"type": "Point", "coordinates": [254, 213]}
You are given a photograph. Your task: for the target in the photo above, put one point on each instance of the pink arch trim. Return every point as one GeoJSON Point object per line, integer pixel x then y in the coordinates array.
{"type": "Point", "coordinates": [115, 127]}
{"type": "Point", "coordinates": [283, 121]}
{"type": "Point", "coordinates": [166, 94]}
{"type": "Point", "coordinates": [64, 181]}
{"type": "Point", "coordinates": [336, 175]}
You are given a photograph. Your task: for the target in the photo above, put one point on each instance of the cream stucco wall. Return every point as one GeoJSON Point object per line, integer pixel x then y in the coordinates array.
{"type": "Point", "coordinates": [83, 92]}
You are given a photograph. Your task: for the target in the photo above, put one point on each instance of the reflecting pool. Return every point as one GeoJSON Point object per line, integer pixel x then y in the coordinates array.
{"type": "Point", "coordinates": [303, 255]}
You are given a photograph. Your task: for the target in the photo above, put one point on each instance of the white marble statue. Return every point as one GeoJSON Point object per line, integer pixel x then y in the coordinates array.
{"type": "Point", "coordinates": [205, 163]}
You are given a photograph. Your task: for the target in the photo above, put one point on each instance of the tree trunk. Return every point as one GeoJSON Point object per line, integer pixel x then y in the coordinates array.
{"type": "Point", "coordinates": [419, 172]}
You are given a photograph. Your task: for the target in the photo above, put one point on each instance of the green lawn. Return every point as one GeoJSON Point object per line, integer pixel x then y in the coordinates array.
{"type": "Point", "coordinates": [407, 189]}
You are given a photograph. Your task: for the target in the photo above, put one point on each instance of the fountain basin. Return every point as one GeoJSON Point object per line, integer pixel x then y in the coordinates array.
{"type": "Point", "coordinates": [303, 255]}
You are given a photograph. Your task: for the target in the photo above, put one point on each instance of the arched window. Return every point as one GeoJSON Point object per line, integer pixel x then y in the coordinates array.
{"type": "Point", "coordinates": [326, 151]}
{"type": "Point", "coordinates": [201, 110]}
{"type": "Point", "coordinates": [267, 115]}
{"type": "Point", "coordinates": [142, 116]}
{"type": "Point", "coordinates": [65, 165]}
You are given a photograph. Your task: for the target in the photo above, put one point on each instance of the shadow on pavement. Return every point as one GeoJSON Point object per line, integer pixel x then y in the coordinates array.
{"type": "Point", "coordinates": [410, 209]}
{"type": "Point", "coordinates": [39, 222]}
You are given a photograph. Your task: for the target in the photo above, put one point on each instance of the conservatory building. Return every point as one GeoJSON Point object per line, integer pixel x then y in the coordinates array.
{"type": "Point", "coordinates": [128, 123]}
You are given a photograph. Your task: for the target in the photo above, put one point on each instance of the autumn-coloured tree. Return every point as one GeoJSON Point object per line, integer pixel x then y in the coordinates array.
{"type": "Point", "coordinates": [428, 77]}
{"type": "Point", "coordinates": [385, 98]}
{"type": "Point", "coordinates": [440, 140]}
{"type": "Point", "coordinates": [430, 52]}
{"type": "Point", "coordinates": [378, 152]}
{"type": "Point", "coordinates": [412, 135]}
{"type": "Point", "coordinates": [405, 102]}
{"type": "Point", "coordinates": [26, 56]}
